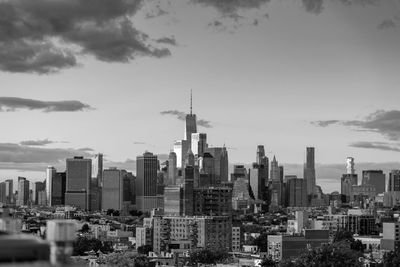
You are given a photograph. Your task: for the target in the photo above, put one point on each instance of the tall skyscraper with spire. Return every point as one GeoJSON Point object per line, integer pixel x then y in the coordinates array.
{"type": "Point", "coordinates": [191, 124]}
{"type": "Point", "coordinates": [309, 170]}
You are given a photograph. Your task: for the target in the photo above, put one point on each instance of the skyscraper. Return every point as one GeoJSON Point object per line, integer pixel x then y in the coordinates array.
{"type": "Point", "coordinates": [309, 170]}
{"type": "Point", "coordinates": [181, 147]}
{"type": "Point", "coordinates": [276, 184]}
{"type": "Point", "coordinates": [97, 171]}
{"type": "Point", "coordinates": [3, 198]}
{"type": "Point", "coordinates": [39, 187]}
{"type": "Point", "coordinates": [260, 154]}
{"type": "Point", "coordinates": [146, 182]}
{"type": "Point", "coordinates": [375, 178]}
{"type": "Point", "coordinates": [220, 155]}
{"type": "Point", "coordinates": [172, 171]}
{"type": "Point", "coordinates": [188, 185]}
{"type": "Point", "coordinates": [23, 191]}
{"type": "Point", "coordinates": [199, 144]}
{"type": "Point", "coordinates": [394, 181]}
{"type": "Point", "coordinates": [9, 191]}
{"type": "Point", "coordinates": [350, 165]}
{"type": "Point", "coordinates": [50, 174]}
{"type": "Point", "coordinates": [191, 124]}
{"type": "Point", "coordinates": [297, 192]}
{"type": "Point", "coordinates": [112, 190]}
{"type": "Point", "coordinates": [275, 176]}
{"type": "Point", "coordinates": [78, 184]}
{"type": "Point", "coordinates": [348, 180]}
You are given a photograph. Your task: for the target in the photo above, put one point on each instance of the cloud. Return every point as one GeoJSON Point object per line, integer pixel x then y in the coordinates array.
{"type": "Point", "coordinates": [384, 122]}
{"type": "Point", "coordinates": [324, 123]}
{"type": "Point", "coordinates": [386, 24]}
{"type": "Point", "coordinates": [156, 12]}
{"type": "Point", "coordinates": [228, 7]}
{"type": "Point", "coordinates": [22, 154]}
{"type": "Point", "coordinates": [16, 103]}
{"type": "Point", "coordinates": [313, 6]}
{"type": "Point", "coordinates": [36, 142]}
{"type": "Point", "coordinates": [377, 145]}
{"type": "Point", "coordinates": [139, 143]}
{"type": "Point", "coordinates": [182, 116]}
{"type": "Point", "coordinates": [167, 40]}
{"type": "Point", "coordinates": [47, 36]}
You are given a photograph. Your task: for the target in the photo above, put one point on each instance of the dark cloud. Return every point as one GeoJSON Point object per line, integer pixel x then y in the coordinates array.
{"type": "Point", "coordinates": [384, 122]}
{"type": "Point", "coordinates": [227, 7]}
{"type": "Point", "coordinates": [182, 116]}
{"type": "Point", "coordinates": [139, 143]}
{"type": "Point", "coordinates": [16, 153]}
{"type": "Point", "coordinates": [44, 36]}
{"type": "Point", "coordinates": [313, 6]}
{"type": "Point", "coordinates": [377, 145]}
{"type": "Point", "coordinates": [16, 103]}
{"type": "Point", "coordinates": [37, 142]}
{"type": "Point", "coordinates": [167, 40]}
{"type": "Point", "coordinates": [156, 12]}
{"type": "Point", "coordinates": [386, 24]}
{"type": "Point", "coordinates": [324, 123]}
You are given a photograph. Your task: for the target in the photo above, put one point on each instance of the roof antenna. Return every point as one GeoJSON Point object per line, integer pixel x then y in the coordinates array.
{"type": "Point", "coordinates": [191, 102]}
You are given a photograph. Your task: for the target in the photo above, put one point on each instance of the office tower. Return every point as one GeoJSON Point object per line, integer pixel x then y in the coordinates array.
{"type": "Point", "coordinates": [239, 171]}
{"type": "Point", "coordinates": [376, 178]}
{"type": "Point", "coordinates": [191, 125]}
{"type": "Point", "coordinates": [146, 182]}
{"type": "Point", "coordinates": [23, 191]}
{"type": "Point", "coordinates": [50, 173]}
{"type": "Point", "coordinates": [9, 191]}
{"type": "Point", "coordinates": [276, 184]}
{"type": "Point", "coordinates": [180, 148]}
{"type": "Point", "coordinates": [78, 184]}
{"type": "Point", "coordinates": [97, 171]}
{"type": "Point", "coordinates": [39, 187]}
{"type": "Point", "coordinates": [297, 192]}
{"type": "Point", "coordinates": [220, 155]}
{"type": "Point", "coordinates": [199, 144]}
{"type": "Point", "coordinates": [172, 171]}
{"type": "Point", "coordinates": [3, 198]}
{"type": "Point", "coordinates": [112, 190]}
{"type": "Point", "coordinates": [58, 188]}
{"type": "Point", "coordinates": [207, 170]}
{"type": "Point", "coordinates": [129, 188]}
{"type": "Point", "coordinates": [394, 181]}
{"type": "Point", "coordinates": [173, 200]}
{"type": "Point", "coordinates": [260, 155]}
{"type": "Point", "coordinates": [213, 201]}
{"type": "Point", "coordinates": [275, 176]}
{"type": "Point", "coordinates": [309, 170]}
{"type": "Point", "coordinates": [188, 185]}
{"type": "Point", "coordinates": [350, 165]}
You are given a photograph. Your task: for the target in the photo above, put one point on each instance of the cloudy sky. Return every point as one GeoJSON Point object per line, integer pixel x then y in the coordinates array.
{"type": "Point", "coordinates": [85, 76]}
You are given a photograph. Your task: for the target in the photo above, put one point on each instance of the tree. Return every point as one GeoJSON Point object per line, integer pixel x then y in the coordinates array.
{"type": "Point", "coordinates": [126, 259]}
{"type": "Point", "coordinates": [336, 254]}
{"type": "Point", "coordinates": [85, 228]}
{"type": "Point", "coordinates": [84, 244]}
{"type": "Point", "coordinates": [343, 235]}
{"type": "Point", "coordinates": [145, 249]}
{"type": "Point", "coordinates": [262, 242]}
{"type": "Point", "coordinates": [115, 213]}
{"type": "Point", "coordinates": [207, 256]}
{"type": "Point", "coordinates": [269, 262]}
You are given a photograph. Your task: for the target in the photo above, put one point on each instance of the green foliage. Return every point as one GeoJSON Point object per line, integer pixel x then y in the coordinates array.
{"type": "Point", "coordinates": [144, 249]}
{"type": "Point", "coordinates": [343, 235]}
{"type": "Point", "coordinates": [269, 262]}
{"type": "Point", "coordinates": [123, 260]}
{"type": "Point", "coordinates": [84, 244]}
{"type": "Point", "coordinates": [262, 242]}
{"type": "Point", "coordinates": [85, 228]}
{"type": "Point", "coordinates": [337, 254]}
{"type": "Point", "coordinates": [207, 256]}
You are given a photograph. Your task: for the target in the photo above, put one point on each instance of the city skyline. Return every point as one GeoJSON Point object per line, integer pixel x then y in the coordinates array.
{"type": "Point", "coordinates": [256, 79]}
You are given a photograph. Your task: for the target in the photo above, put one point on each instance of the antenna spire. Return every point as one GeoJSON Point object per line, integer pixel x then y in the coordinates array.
{"type": "Point", "coordinates": [191, 102]}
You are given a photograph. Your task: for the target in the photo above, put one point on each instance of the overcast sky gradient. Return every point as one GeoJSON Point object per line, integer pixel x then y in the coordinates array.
{"type": "Point", "coordinates": [85, 76]}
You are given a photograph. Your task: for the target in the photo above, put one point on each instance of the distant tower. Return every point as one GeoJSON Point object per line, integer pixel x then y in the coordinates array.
{"type": "Point", "coordinates": [191, 124]}
{"type": "Point", "coordinates": [79, 174]}
{"type": "Point", "coordinates": [309, 170]}
{"type": "Point", "coordinates": [260, 154]}
{"type": "Point", "coordinates": [23, 191]}
{"type": "Point", "coordinates": [350, 165]}
{"type": "Point", "coordinates": [50, 174]}
{"type": "Point", "coordinates": [172, 171]}
{"type": "Point", "coordinates": [146, 182]}
{"type": "Point", "coordinates": [188, 185]}
{"type": "Point", "coordinates": [98, 169]}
